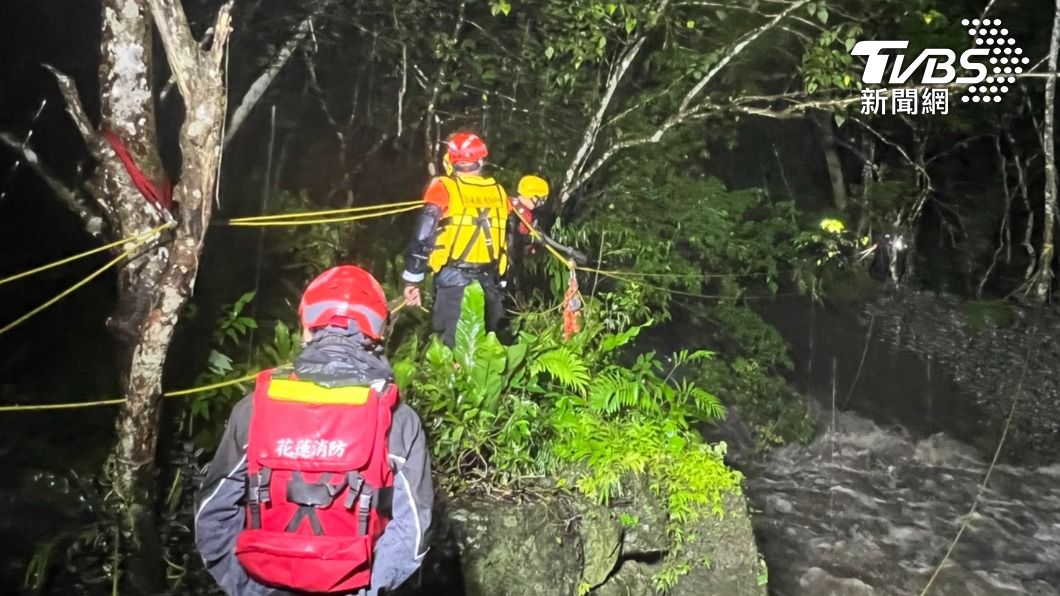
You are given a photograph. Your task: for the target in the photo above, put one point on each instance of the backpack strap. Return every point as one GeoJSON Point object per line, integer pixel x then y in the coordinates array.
{"type": "Point", "coordinates": [309, 496]}
{"type": "Point", "coordinates": [258, 493]}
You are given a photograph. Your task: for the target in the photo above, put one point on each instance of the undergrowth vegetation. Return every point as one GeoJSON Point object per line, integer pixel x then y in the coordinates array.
{"type": "Point", "coordinates": [588, 413]}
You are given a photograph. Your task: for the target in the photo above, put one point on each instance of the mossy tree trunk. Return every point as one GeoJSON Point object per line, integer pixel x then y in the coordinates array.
{"type": "Point", "coordinates": [156, 281]}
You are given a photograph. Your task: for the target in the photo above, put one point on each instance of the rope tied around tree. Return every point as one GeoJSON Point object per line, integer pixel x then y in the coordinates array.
{"type": "Point", "coordinates": [160, 195]}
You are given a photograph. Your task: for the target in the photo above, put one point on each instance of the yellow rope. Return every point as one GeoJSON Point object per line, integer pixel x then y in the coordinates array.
{"type": "Point", "coordinates": [177, 393]}
{"type": "Point", "coordinates": [111, 402]}
{"type": "Point", "coordinates": [673, 275]}
{"type": "Point", "coordinates": [298, 222]}
{"type": "Point", "coordinates": [204, 388]}
{"type": "Point", "coordinates": [72, 288]}
{"type": "Point", "coordinates": [82, 255]}
{"type": "Point", "coordinates": [679, 292]}
{"type": "Point", "coordinates": [567, 262]}
{"type": "Point", "coordinates": [286, 216]}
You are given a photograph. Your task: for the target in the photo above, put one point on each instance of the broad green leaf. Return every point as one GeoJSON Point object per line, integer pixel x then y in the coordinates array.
{"type": "Point", "coordinates": [471, 328]}
{"type": "Point", "coordinates": [242, 302]}
{"type": "Point", "coordinates": [219, 362]}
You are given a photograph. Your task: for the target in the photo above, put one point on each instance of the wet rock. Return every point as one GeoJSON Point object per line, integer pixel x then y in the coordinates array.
{"type": "Point", "coordinates": [778, 504]}
{"type": "Point", "coordinates": [727, 545]}
{"type": "Point", "coordinates": [517, 548]}
{"type": "Point", "coordinates": [941, 450]}
{"type": "Point", "coordinates": [644, 520]}
{"type": "Point", "coordinates": [632, 578]}
{"type": "Point", "coordinates": [601, 535]}
{"type": "Point", "coordinates": [818, 582]}
{"type": "Point", "coordinates": [562, 545]}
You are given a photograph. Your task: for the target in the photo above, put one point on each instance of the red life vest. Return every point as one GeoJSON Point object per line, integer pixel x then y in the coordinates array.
{"type": "Point", "coordinates": [319, 484]}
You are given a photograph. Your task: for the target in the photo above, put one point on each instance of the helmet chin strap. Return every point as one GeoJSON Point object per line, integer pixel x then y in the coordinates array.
{"type": "Point", "coordinates": [468, 168]}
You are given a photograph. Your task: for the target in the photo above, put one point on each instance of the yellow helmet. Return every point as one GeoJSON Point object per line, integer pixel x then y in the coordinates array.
{"type": "Point", "coordinates": [531, 186]}
{"type": "Point", "coordinates": [447, 165]}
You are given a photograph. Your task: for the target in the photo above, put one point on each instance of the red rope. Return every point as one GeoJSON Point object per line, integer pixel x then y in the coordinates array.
{"type": "Point", "coordinates": [572, 306]}
{"type": "Point", "coordinates": [160, 196]}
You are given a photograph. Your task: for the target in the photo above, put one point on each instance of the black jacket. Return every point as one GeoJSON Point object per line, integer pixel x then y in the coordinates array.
{"type": "Point", "coordinates": [332, 359]}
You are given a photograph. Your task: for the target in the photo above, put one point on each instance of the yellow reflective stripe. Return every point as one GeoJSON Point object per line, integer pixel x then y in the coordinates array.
{"type": "Point", "coordinates": [306, 392]}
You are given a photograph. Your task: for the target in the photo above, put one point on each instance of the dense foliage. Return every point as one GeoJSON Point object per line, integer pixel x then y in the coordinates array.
{"type": "Point", "coordinates": [586, 414]}
{"type": "Point", "coordinates": [707, 155]}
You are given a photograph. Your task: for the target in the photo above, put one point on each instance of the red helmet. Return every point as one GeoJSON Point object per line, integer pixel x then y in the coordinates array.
{"type": "Point", "coordinates": [343, 294]}
{"type": "Point", "coordinates": [466, 147]}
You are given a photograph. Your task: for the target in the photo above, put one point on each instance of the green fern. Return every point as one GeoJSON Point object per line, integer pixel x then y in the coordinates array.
{"type": "Point", "coordinates": [566, 367]}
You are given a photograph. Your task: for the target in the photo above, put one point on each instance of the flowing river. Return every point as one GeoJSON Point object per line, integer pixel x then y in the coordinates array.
{"type": "Point", "coordinates": [871, 510]}
{"type": "Point", "coordinates": [873, 504]}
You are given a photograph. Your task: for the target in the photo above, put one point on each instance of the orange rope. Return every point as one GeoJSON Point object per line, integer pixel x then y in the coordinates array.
{"type": "Point", "coordinates": [572, 306]}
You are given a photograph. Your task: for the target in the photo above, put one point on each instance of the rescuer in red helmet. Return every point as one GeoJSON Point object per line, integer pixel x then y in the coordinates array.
{"type": "Point", "coordinates": [463, 235]}
{"type": "Point", "coordinates": [321, 483]}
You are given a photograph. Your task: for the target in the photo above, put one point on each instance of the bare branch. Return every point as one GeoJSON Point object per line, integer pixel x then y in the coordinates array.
{"type": "Point", "coordinates": [181, 50]}
{"type": "Point", "coordinates": [685, 111]}
{"type": "Point", "coordinates": [68, 195]}
{"type": "Point", "coordinates": [1005, 232]}
{"type": "Point", "coordinates": [403, 88]}
{"type": "Point", "coordinates": [1044, 275]}
{"type": "Point", "coordinates": [77, 111]}
{"type": "Point", "coordinates": [429, 115]}
{"type": "Point", "coordinates": [905, 155]}
{"type": "Point", "coordinates": [591, 131]}
{"type": "Point", "coordinates": [261, 84]}
{"type": "Point", "coordinates": [735, 51]}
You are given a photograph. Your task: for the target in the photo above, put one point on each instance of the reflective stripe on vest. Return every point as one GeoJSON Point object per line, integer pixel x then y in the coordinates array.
{"type": "Point", "coordinates": [309, 392]}
{"type": "Point", "coordinates": [474, 232]}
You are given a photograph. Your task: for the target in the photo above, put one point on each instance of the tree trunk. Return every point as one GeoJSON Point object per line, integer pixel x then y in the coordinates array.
{"type": "Point", "coordinates": [824, 122]}
{"type": "Point", "coordinates": [200, 79]}
{"type": "Point", "coordinates": [127, 109]}
{"type": "Point", "coordinates": [1044, 278]}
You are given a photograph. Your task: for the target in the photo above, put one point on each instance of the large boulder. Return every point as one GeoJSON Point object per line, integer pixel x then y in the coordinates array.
{"type": "Point", "coordinates": [519, 549]}
{"type": "Point", "coordinates": [726, 548]}
{"type": "Point", "coordinates": [567, 546]}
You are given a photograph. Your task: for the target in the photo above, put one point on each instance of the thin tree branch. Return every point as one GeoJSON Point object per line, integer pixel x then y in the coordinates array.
{"type": "Point", "coordinates": [684, 112]}
{"type": "Point", "coordinates": [68, 195]}
{"type": "Point", "coordinates": [280, 58]}
{"type": "Point", "coordinates": [76, 110]}
{"type": "Point", "coordinates": [577, 165]}
{"type": "Point", "coordinates": [182, 52]}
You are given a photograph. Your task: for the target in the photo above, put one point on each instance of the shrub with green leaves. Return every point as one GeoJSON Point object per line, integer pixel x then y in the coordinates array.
{"type": "Point", "coordinates": [587, 412]}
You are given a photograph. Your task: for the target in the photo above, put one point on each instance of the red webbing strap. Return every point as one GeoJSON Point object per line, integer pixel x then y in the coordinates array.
{"type": "Point", "coordinates": [161, 195]}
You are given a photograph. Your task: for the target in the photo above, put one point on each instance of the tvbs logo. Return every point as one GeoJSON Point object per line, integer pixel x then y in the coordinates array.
{"type": "Point", "coordinates": [986, 69]}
